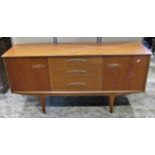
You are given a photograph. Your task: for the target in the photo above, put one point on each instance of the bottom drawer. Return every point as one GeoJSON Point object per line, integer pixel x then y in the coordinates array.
{"type": "Point", "coordinates": [77, 84]}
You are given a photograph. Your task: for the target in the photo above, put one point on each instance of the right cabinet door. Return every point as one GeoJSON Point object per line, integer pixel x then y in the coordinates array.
{"type": "Point", "coordinates": [125, 72]}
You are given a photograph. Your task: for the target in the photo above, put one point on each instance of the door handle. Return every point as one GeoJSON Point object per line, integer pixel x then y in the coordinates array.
{"type": "Point", "coordinates": [76, 71]}
{"type": "Point", "coordinates": [77, 60]}
{"type": "Point", "coordinates": [76, 84]}
{"type": "Point", "coordinates": [114, 65]}
{"type": "Point", "coordinates": [38, 66]}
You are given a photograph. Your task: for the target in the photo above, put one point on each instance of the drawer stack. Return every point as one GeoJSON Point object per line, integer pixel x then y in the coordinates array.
{"type": "Point", "coordinates": [76, 73]}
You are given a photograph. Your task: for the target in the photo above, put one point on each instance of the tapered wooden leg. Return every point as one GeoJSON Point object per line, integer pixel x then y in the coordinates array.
{"type": "Point", "coordinates": [43, 103]}
{"type": "Point", "coordinates": [112, 100]}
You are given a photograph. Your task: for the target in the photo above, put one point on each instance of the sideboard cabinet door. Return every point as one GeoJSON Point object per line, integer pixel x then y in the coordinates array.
{"type": "Point", "coordinates": [28, 74]}
{"type": "Point", "coordinates": [138, 71]}
{"type": "Point", "coordinates": [125, 72]}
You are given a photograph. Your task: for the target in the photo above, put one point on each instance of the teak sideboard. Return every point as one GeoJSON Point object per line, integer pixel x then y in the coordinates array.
{"type": "Point", "coordinates": [77, 69]}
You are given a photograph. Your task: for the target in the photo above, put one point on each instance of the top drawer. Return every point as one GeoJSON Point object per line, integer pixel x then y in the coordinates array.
{"type": "Point", "coordinates": [76, 61]}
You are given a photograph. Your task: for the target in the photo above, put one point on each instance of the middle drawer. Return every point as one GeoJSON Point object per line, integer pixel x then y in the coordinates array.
{"type": "Point", "coordinates": [76, 71]}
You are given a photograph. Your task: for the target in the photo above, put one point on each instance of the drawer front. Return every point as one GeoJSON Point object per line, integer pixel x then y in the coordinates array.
{"type": "Point", "coordinates": [76, 73]}
{"type": "Point", "coordinates": [77, 84]}
{"type": "Point", "coordinates": [70, 71]}
{"type": "Point", "coordinates": [28, 74]}
{"type": "Point", "coordinates": [125, 72]}
{"type": "Point", "coordinates": [76, 62]}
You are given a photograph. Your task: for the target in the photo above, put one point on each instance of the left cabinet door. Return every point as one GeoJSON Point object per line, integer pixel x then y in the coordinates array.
{"type": "Point", "coordinates": [28, 74]}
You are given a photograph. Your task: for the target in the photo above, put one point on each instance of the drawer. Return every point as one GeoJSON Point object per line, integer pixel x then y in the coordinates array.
{"type": "Point", "coordinates": [77, 84]}
{"type": "Point", "coordinates": [75, 62]}
{"type": "Point", "coordinates": [70, 71]}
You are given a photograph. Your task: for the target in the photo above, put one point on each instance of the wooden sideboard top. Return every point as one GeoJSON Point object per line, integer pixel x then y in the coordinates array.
{"type": "Point", "coordinates": [82, 49]}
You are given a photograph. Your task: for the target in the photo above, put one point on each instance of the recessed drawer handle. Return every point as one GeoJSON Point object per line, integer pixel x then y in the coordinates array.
{"type": "Point", "coordinates": [76, 71]}
{"type": "Point", "coordinates": [77, 60]}
{"type": "Point", "coordinates": [38, 66]}
{"type": "Point", "coordinates": [114, 65]}
{"type": "Point", "coordinates": [76, 84]}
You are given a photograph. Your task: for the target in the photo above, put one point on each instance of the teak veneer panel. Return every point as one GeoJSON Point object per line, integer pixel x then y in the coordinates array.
{"type": "Point", "coordinates": [77, 84]}
{"type": "Point", "coordinates": [75, 74]}
{"type": "Point", "coordinates": [90, 61]}
{"type": "Point", "coordinates": [47, 50]}
{"type": "Point", "coordinates": [73, 67]}
{"type": "Point", "coordinates": [125, 73]}
{"type": "Point", "coordinates": [76, 71]}
{"type": "Point", "coordinates": [27, 74]}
